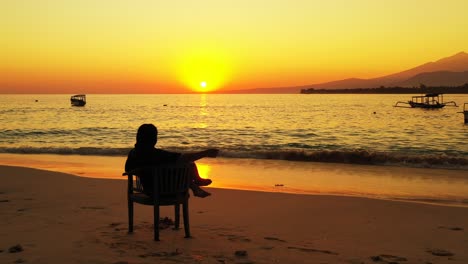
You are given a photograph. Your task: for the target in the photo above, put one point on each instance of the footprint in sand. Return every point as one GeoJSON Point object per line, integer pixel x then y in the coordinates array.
{"type": "Point", "coordinates": [243, 256]}
{"type": "Point", "coordinates": [235, 238]}
{"type": "Point", "coordinates": [116, 227]}
{"type": "Point", "coordinates": [440, 252]}
{"type": "Point", "coordinates": [15, 249]}
{"type": "Point", "coordinates": [267, 247]}
{"type": "Point", "coordinates": [241, 253]}
{"type": "Point", "coordinates": [274, 239]}
{"type": "Point", "coordinates": [388, 258]}
{"type": "Point", "coordinates": [312, 250]}
{"type": "Point", "coordinates": [92, 207]}
{"type": "Point", "coordinates": [271, 239]}
{"type": "Point", "coordinates": [455, 228]}
{"type": "Point", "coordinates": [161, 254]}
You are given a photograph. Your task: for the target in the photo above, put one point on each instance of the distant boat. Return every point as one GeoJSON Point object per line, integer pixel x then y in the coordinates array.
{"type": "Point", "coordinates": [78, 100]}
{"type": "Point", "coordinates": [465, 112]}
{"type": "Point", "coordinates": [428, 101]}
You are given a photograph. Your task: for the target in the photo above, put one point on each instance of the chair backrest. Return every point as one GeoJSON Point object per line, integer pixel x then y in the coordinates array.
{"type": "Point", "coordinates": [168, 179]}
{"type": "Point", "coordinates": [172, 178]}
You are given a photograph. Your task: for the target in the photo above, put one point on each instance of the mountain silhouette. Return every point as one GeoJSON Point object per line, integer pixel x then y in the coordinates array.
{"type": "Point", "coordinates": [449, 71]}
{"type": "Point", "coordinates": [439, 78]}
{"type": "Point", "coordinates": [455, 63]}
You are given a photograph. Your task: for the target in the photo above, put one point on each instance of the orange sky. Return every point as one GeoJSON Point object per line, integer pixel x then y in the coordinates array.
{"type": "Point", "coordinates": [87, 46]}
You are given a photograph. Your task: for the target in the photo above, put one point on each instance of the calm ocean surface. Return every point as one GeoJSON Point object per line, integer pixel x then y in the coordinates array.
{"type": "Point", "coordinates": [356, 129]}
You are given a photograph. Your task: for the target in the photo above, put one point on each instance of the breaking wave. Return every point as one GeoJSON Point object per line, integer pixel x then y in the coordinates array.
{"type": "Point", "coordinates": [362, 157]}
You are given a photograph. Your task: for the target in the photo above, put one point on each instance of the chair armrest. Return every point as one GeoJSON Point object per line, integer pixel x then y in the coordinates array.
{"type": "Point", "coordinates": [140, 170]}
{"type": "Point", "coordinates": [137, 171]}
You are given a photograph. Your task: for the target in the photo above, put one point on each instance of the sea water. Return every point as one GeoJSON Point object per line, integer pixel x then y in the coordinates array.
{"type": "Point", "coordinates": [343, 128]}
{"type": "Point", "coordinates": [357, 145]}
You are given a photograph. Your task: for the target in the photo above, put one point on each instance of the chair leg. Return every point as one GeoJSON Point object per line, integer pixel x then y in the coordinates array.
{"type": "Point", "coordinates": [156, 222]}
{"type": "Point", "coordinates": [186, 219]}
{"type": "Point", "coordinates": [130, 216]}
{"type": "Point", "coordinates": [177, 216]}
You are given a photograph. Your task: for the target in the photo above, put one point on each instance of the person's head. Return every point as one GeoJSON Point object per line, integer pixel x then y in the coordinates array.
{"type": "Point", "coordinates": [147, 136]}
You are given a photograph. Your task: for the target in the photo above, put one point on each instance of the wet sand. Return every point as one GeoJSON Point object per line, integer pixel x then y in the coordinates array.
{"type": "Point", "coordinates": [439, 186]}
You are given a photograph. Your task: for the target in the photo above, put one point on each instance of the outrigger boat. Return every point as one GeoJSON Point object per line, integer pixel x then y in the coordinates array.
{"type": "Point", "coordinates": [78, 100]}
{"type": "Point", "coordinates": [429, 101]}
{"type": "Point", "coordinates": [465, 112]}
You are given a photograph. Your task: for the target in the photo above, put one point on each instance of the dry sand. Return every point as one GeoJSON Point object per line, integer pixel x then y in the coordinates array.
{"type": "Point", "coordinates": [51, 217]}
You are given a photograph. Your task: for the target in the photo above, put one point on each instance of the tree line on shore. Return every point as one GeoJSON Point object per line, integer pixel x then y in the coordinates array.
{"type": "Point", "coordinates": [463, 89]}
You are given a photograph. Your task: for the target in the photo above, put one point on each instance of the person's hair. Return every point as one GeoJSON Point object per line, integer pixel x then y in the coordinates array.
{"type": "Point", "coordinates": [147, 136]}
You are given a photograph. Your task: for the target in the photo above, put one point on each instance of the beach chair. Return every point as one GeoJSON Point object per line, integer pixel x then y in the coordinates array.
{"type": "Point", "coordinates": [171, 185]}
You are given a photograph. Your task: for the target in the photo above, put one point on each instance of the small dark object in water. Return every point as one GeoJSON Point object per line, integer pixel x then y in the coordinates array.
{"type": "Point", "coordinates": [279, 185]}
{"type": "Point", "coordinates": [15, 249]}
{"type": "Point", "coordinates": [164, 104]}
{"type": "Point", "coordinates": [37, 100]}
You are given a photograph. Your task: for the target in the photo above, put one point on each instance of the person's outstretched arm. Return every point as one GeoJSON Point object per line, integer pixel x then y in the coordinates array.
{"type": "Point", "coordinates": [191, 157]}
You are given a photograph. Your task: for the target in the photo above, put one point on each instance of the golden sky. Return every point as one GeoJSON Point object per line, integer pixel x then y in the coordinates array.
{"type": "Point", "coordinates": [159, 46]}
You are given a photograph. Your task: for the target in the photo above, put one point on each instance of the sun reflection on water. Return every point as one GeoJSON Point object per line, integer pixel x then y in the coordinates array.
{"type": "Point", "coordinates": [203, 112]}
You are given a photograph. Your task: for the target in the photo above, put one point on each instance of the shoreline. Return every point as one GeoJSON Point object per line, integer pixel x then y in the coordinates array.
{"type": "Point", "coordinates": [431, 160]}
{"type": "Point", "coordinates": [88, 224]}
{"type": "Point", "coordinates": [419, 185]}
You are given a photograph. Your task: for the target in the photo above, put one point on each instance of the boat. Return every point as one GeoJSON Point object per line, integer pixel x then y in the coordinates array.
{"type": "Point", "coordinates": [465, 112]}
{"type": "Point", "coordinates": [78, 100]}
{"type": "Point", "coordinates": [427, 101]}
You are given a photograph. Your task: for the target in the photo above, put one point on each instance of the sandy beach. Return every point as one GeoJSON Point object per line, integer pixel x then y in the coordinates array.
{"type": "Point", "coordinates": [327, 131]}
{"type": "Point", "coordinates": [52, 217]}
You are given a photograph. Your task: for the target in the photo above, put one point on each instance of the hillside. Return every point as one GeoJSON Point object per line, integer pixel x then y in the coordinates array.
{"type": "Point", "coordinates": [439, 78]}
{"type": "Point", "coordinates": [449, 71]}
{"type": "Point", "coordinates": [455, 63]}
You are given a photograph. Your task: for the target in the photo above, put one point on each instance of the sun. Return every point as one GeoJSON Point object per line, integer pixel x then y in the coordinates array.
{"type": "Point", "coordinates": [203, 68]}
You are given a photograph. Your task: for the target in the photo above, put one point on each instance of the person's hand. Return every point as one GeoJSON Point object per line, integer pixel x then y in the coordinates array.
{"type": "Point", "coordinates": [212, 153]}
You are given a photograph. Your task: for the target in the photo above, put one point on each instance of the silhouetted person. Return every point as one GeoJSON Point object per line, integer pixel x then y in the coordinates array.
{"type": "Point", "coordinates": [145, 154]}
